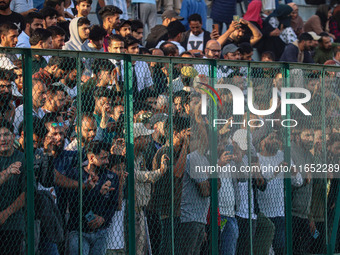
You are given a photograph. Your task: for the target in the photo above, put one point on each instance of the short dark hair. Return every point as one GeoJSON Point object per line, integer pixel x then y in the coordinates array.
{"type": "Point", "coordinates": [195, 17]}
{"type": "Point", "coordinates": [78, 2]}
{"type": "Point", "coordinates": [305, 37]}
{"type": "Point", "coordinates": [130, 40]}
{"type": "Point", "coordinates": [97, 33]}
{"type": "Point", "coordinates": [102, 65]}
{"type": "Point", "coordinates": [30, 17]}
{"type": "Point", "coordinates": [95, 147]}
{"type": "Point", "coordinates": [7, 75]}
{"type": "Point", "coordinates": [102, 92]}
{"type": "Point", "coordinates": [6, 27]}
{"type": "Point", "coordinates": [245, 48]}
{"type": "Point", "coordinates": [56, 30]}
{"type": "Point", "coordinates": [333, 138]}
{"type": "Point", "coordinates": [144, 51]}
{"type": "Point", "coordinates": [83, 21]}
{"type": "Point", "coordinates": [51, 117]}
{"type": "Point", "coordinates": [168, 48]}
{"type": "Point", "coordinates": [115, 38]}
{"type": "Point", "coordinates": [53, 3]}
{"type": "Point", "coordinates": [48, 12]}
{"type": "Point", "coordinates": [175, 28]}
{"type": "Point", "coordinates": [323, 34]}
{"type": "Point", "coordinates": [136, 24]}
{"type": "Point", "coordinates": [63, 63]}
{"type": "Point", "coordinates": [268, 54]}
{"type": "Point", "coordinates": [109, 10]}
{"type": "Point", "coordinates": [184, 95]}
{"type": "Point", "coordinates": [40, 34]}
{"type": "Point", "coordinates": [179, 124]}
{"type": "Point", "coordinates": [187, 53]}
{"type": "Point", "coordinates": [6, 124]}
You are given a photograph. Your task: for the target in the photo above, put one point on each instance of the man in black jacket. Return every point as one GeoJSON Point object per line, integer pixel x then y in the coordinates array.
{"type": "Point", "coordinates": [298, 51]}
{"type": "Point", "coordinates": [196, 37]}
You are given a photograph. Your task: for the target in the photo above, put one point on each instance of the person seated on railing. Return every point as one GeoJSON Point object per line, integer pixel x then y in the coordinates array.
{"type": "Point", "coordinates": [13, 180]}
{"type": "Point", "coordinates": [79, 34]}
{"type": "Point", "coordinates": [40, 39]}
{"type": "Point", "coordinates": [38, 100]}
{"type": "Point", "coordinates": [98, 204]}
{"type": "Point", "coordinates": [33, 21]}
{"type": "Point", "coordinates": [58, 37]}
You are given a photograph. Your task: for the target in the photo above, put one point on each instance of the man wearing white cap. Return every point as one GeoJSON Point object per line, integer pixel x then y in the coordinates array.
{"type": "Point", "coordinates": [143, 180]}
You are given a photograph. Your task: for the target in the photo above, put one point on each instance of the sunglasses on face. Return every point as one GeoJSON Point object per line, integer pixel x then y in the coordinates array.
{"type": "Point", "coordinates": [59, 124]}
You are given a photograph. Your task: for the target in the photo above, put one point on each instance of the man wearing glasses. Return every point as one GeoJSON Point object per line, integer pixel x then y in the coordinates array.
{"type": "Point", "coordinates": [212, 51]}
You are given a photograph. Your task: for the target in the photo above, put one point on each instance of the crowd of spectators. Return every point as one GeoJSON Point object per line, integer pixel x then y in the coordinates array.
{"type": "Point", "coordinates": [172, 206]}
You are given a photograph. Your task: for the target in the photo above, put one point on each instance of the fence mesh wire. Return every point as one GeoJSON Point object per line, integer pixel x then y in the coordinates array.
{"type": "Point", "coordinates": [96, 187]}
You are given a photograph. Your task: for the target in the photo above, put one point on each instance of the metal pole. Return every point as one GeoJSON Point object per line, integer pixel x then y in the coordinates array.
{"type": "Point", "coordinates": [171, 145]}
{"type": "Point", "coordinates": [250, 184]}
{"type": "Point", "coordinates": [80, 151]}
{"type": "Point", "coordinates": [128, 107]}
{"type": "Point", "coordinates": [29, 155]}
{"type": "Point", "coordinates": [213, 149]}
{"type": "Point", "coordinates": [287, 180]}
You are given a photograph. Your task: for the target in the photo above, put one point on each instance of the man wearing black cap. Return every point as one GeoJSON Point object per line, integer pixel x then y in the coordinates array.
{"type": "Point", "coordinates": [110, 16]}
{"type": "Point", "coordinates": [124, 28]}
{"type": "Point", "coordinates": [175, 30]}
{"type": "Point", "coordinates": [159, 32]}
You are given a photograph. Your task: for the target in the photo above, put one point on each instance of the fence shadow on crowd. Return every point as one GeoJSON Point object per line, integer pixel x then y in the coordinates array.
{"type": "Point", "coordinates": [133, 154]}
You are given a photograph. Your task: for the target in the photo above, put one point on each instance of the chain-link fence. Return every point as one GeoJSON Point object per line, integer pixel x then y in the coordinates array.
{"type": "Point", "coordinates": [130, 154]}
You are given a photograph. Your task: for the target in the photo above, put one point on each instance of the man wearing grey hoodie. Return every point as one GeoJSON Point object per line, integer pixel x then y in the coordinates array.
{"type": "Point", "coordinates": [79, 34]}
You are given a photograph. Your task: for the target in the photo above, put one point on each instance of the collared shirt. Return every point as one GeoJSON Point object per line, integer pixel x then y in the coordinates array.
{"type": "Point", "coordinates": [23, 41]}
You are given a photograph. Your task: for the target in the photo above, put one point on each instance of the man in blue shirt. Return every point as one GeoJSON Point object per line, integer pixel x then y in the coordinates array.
{"type": "Point", "coordinates": [99, 204]}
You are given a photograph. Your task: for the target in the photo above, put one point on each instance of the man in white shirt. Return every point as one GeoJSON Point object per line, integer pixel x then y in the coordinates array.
{"type": "Point", "coordinates": [38, 99]}
{"type": "Point", "coordinates": [175, 30]}
{"type": "Point", "coordinates": [33, 21]}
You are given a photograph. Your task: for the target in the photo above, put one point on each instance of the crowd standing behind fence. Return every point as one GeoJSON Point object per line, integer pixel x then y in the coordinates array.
{"type": "Point", "coordinates": [86, 108]}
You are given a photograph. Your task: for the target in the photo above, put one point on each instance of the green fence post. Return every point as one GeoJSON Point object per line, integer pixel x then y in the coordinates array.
{"type": "Point", "coordinates": [129, 151]}
{"type": "Point", "coordinates": [80, 151]}
{"type": "Point", "coordinates": [29, 156]}
{"type": "Point", "coordinates": [335, 225]}
{"type": "Point", "coordinates": [287, 180]}
{"type": "Point", "coordinates": [213, 149]}
{"type": "Point", "coordinates": [172, 214]}
{"type": "Point", "coordinates": [250, 184]}
{"type": "Point", "coordinates": [324, 153]}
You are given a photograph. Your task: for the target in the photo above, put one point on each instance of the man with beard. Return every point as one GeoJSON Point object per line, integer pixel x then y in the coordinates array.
{"type": "Point", "coordinates": [7, 15]}
{"type": "Point", "coordinates": [55, 99]}
{"type": "Point", "coordinates": [38, 100]}
{"type": "Point", "coordinates": [33, 21]}
{"type": "Point", "coordinates": [98, 205]}
{"type": "Point", "coordinates": [325, 51]}
{"type": "Point", "coordinates": [88, 132]}
{"type": "Point", "coordinates": [12, 190]}
{"type": "Point", "coordinates": [333, 154]}
{"type": "Point", "coordinates": [212, 51]}
{"type": "Point", "coordinates": [271, 200]}
{"type": "Point", "coordinates": [9, 38]}
{"type": "Point", "coordinates": [196, 37]}
{"type": "Point", "coordinates": [303, 140]}
{"type": "Point", "coordinates": [181, 103]}
{"type": "Point", "coordinates": [7, 109]}
{"type": "Point", "coordinates": [160, 202]}
{"type": "Point", "coordinates": [299, 51]}
{"type": "Point", "coordinates": [54, 71]}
